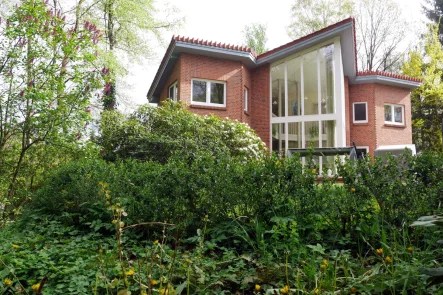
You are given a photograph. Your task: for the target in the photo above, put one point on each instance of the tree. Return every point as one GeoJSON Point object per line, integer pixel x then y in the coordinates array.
{"type": "Point", "coordinates": [427, 100]}
{"type": "Point", "coordinates": [434, 11]}
{"type": "Point", "coordinates": [308, 16]}
{"type": "Point", "coordinates": [254, 36]}
{"type": "Point", "coordinates": [128, 27]}
{"type": "Point", "coordinates": [47, 78]}
{"type": "Point", "coordinates": [381, 30]}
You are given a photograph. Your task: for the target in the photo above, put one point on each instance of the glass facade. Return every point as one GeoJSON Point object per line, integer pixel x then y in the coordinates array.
{"type": "Point", "coordinates": [304, 103]}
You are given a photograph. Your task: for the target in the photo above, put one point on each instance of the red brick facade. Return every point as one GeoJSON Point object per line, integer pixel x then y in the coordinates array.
{"type": "Point", "coordinates": [237, 76]}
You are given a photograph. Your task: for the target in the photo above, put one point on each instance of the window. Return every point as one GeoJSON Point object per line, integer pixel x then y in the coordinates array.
{"type": "Point", "coordinates": [246, 99]}
{"type": "Point", "coordinates": [394, 114]}
{"type": "Point", "coordinates": [172, 91]}
{"type": "Point", "coordinates": [362, 151]}
{"type": "Point", "coordinates": [360, 112]}
{"type": "Point", "coordinates": [207, 92]}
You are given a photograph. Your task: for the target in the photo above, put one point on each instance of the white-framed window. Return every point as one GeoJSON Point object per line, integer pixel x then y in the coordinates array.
{"type": "Point", "coordinates": [360, 110]}
{"type": "Point", "coordinates": [172, 92]}
{"type": "Point", "coordinates": [394, 114]}
{"type": "Point", "coordinates": [246, 98]}
{"type": "Point", "coordinates": [208, 92]}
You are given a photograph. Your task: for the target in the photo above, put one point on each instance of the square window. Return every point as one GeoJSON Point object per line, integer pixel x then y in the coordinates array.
{"type": "Point", "coordinates": [394, 114]}
{"type": "Point", "coordinates": [207, 92]}
{"type": "Point", "coordinates": [360, 112]}
{"type": "Point", "coordinates": [246, 99]}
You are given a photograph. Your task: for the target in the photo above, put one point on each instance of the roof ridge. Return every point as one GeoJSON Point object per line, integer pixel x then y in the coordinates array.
{"type": "Point", "coordinates": [390, 75]}
{"type": "Point", "coordinates": [214, 44]}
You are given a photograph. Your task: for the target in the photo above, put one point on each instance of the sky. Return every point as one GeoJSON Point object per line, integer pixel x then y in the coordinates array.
{"type": "Point", "coordinates": [223, 21]}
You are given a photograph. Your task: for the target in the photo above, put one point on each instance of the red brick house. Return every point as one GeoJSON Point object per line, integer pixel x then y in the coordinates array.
{"type": "Point", "coordinates": [306, 91]}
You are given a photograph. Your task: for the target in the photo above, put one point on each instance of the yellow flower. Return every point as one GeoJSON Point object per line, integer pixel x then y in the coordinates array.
{"type": "Point", "coordinates": [35, 287]}
{"type": "Point", "coordinates": [15, 246]}
{"type": "Point", "coordinates": [257, 287]}
{"type": "Point", "coordinates": [410, 249]}
{"type": "Point", "coordinates": [154, 282]}
{"type": "Point", "coordinates": [285, 290]}
{"type": "Point", "coordinates": [352, 189]}
{"type": "Point", "coordinates": [144, 293]}
{"type": "Point", "coordinates": [316, 291]}
{"type": "Point", "coordinates": [353, 290]}
{"type": "Point", "coordinates": [388, 259]}
{"type": "Point", "coordinates": [156, 242]}
{"type": "Point", "coordinates": [380, 251]}
{"type": "Point", "coordinates": [8, 282]}
{"type": "Point", "coordinates": [314, 171]}
{"type": "Point", "coordinates": [188, 261]}
{"type": "Point", "coordinates": [323, 267]}
{"type": "Point", "coordinates": [130, 272]}
{"type": "Point", "coordinates": [325, 262]}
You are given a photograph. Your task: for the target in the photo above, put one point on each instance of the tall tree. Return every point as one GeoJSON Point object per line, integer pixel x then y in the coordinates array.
{"type": "Point", "coordinates": [427, 100]}
{"type": "Point", "coordinates": [46, 81]}
{"type": "Point", "coordinates": [434, 11]}
{"type": "Point", "coordinates": [308, 16]}
{"type": "Point", "coordinates": [381, 29]}
{"type": "Point", "coordinates": [128, 26]}
{"type": "Point", "coordinates": [254, 36]}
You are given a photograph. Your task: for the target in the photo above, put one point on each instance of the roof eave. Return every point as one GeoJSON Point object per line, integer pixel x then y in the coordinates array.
{"type": "Point", "coordinates": [378, 79]}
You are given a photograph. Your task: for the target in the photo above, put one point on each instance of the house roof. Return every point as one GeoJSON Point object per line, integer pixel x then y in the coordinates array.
{"type": "Point", "coordinates": [344, 29]}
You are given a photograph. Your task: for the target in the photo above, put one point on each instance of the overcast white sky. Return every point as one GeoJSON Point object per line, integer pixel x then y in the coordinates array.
{"type": "Point", "coordinates": [223, 21]}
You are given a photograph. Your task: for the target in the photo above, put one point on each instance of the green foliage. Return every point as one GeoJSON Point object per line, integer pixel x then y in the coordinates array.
{"type": "Point", "coordinates": [308, 16]}
{"type": "Point", "coordinates": [158, 133]}
{"type": "Point", "coordinates": [427, 115]}
{"type": "Point", "coordinates": [47, 80]}
{"type": "Point", "coordinates": [254, 37]}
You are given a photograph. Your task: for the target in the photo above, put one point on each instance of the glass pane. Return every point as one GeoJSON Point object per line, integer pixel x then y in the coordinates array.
{"type": "Point", "coordinates": [199, 91]}
{"type": "Point", "coordinates": [311, 134]}
{"type": "Point", "coordinates": [360, 112]}
{"type": "Point", "coordinates": [328, 134]}
{"type": "Point", "coordinates": [329, 168]}
{"type": "Point", "coordinates": [278, 90]}
{"type": "Point", "coordinates": [327, 79]}
{"type": "Point", "coordinates": [171, 93]}
{"type": "Point", "coordinates": [246, 99]}
{"type": "Point", "coordinates": [294, 135]}
{"type": "Point", "coordinates": [294, 89]}
{"type": "Point", "coordinates": [310, 83]}
{"type": "Point", "coordinates": [175, 93]}
{"type": "Point", "coordinates": [398, 114]}
{"type": "Point", "coordinates": [388, 114]}
{"type": "Point", "coordinates": [278, 138]}
{"type": "Point", "coordinates": [217, 93]}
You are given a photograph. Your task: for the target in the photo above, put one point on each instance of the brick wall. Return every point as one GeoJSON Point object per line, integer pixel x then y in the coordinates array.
{"type": "Point", "coordinates": [260, 103]}
{"type": "Point", "coordinates": [363, 134]}
{"type": "Point", "coordinates": [376, 133]}
{"type": "Point", "coordinates": [392, 134]}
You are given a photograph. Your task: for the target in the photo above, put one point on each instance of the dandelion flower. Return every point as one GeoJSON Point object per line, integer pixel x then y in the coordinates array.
{"type": "Point", "coordinates": [156, 242]}
{"type": "Point", "coordinates": [188, 261]}
{"type": "Point", "coordinates": [325, 262]}
{"type": "Point", "coordinates": [316, 291]}
{"type": "Point", "coordinates": [8, 282]}
{"type": "Point", "coordinates": [285, 290]}
{"type": "Point", "coordinates": [323, 267]}
{"type": "Point", "coordinates": [410, 249]}
{"type": "Point", "coordinates": [130, 272]}
{"type": "Point", "coordinates": [154, 282]}
{"type": "Point", "coordinates": [257, 287]}
{"type": "Point", "coordinates": [388, 259]}
{"type": "Point", "coordinates": [15, 246]}
{"type": "Point", "coordinates": [380, 251]}
{"type": "Point", "coordinates": [353, 190]}
{"type": "Point", "coordinates": [36, 287]}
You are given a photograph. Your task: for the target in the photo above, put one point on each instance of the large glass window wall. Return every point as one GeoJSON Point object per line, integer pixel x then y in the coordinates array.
{"type": "Point", "coordinates": [305, 108]}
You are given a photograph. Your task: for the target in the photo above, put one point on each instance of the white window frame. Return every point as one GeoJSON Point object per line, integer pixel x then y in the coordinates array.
{"type": "Point", "coordinates": [246, 98]}
{"type": "Point", "coordinates": [175, 91]}
{"type": "Point", "coordinates": [353, 112]}
{"type": "Point", "coordinates": [402, 123]}
{"type": "Point", "coordinates": [208, 93]}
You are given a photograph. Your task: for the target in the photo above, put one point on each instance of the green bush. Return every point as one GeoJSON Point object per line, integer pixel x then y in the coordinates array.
{"type": "Point", "coordinates": [158, 133]}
